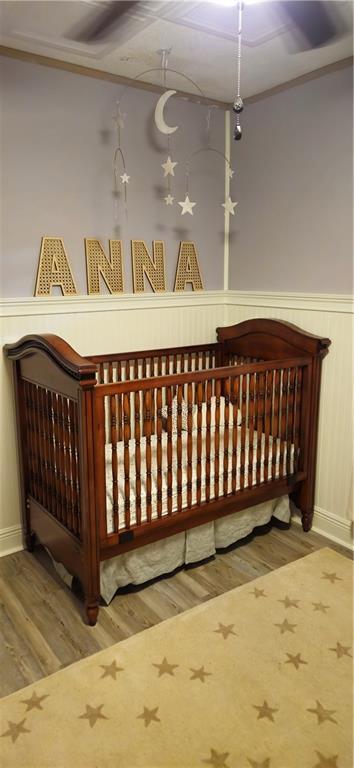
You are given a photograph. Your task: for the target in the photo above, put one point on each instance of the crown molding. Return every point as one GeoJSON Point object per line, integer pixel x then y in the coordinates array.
{"type": "Point", "coordinates": [98, 74]}
{"type": "Point", "coordinates": [335, 66]}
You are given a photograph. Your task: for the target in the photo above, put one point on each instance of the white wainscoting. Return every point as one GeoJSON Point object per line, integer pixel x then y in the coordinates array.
{"type": "Point", "coordinates": [92, 325]}
{"type": "Point", "coordinates": [330, 316]}
{"type": "Point", "coordinates": [108, 324]}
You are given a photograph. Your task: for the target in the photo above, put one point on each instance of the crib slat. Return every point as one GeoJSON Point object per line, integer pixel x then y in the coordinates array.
{"type": "Point", "coordinates": [67, 462]}
{"type": "Point", "coordinates": [290, 419]}
{"type": "Point", "coordinates": [226, 436]}
{"type": "Point", "coordinates": [208, 440]}
{"type": "Point", "coordinates": [283, 420]}
{"type": "Point", "coordinates": [57, 455]}
{"type": "Point", "coordinates": [42, 445]}
{"type": "Point", "coordinates": [179, 447]}
{"type": "Point", "coordinates": [62, 460]}
{"type": "Point", "coordinates": [169, 450]}
{"type": "Point", "coordinates": [137, 437]}
{"type": "Point", "coordinates": [73, 468]}
{"type": "Point", "coordinates": [50, 453]}
{"type": "Point", "coordinates": [297, 419]}
{"type": "Point", "coordinates": [189, 445]}
{"type": "Point", "coordinates": [260, 422]}
{"type": "Point", "coordinates": [267, 420]}
{"type": "Point", "coordinates": [235, 390]}
{"type": "Point", "coordinates": [38, 473]}
{"type": "Point", "coordinates": [159, 451]}
{"type": "Point", "coordinates": [217, 438]}
{"type": "Point", "coordinates": [199, 397]}
{"type": "Point", "coordinates": [251, 422]}
{"type": "Point", "coordinates": [126, 417]}
{"type": "Point", "coordinates": [120, 409]}
{"type": "Point", "coordinates": [115, 494]}
{"type": "Point", "coordinates": [275, 421]}
{"type": "Point", "coordinates": [147, 432]}
{"type": "Point", "coordinates": [244, 394]}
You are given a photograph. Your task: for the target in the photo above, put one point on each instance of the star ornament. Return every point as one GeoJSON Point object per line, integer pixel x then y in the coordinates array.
{"type": "Point", "coordinates": [169, 199]}
{"type": "Point", "coordinates": [125, 178]}
{"type": "Point", "coordinates": [168, 167]}
{"type": "Point", "coordinates": [229, 206]}
{"type": "Point", "coordinates": [187, 206]}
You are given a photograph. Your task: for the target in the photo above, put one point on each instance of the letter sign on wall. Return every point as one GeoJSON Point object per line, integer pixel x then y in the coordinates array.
{"type": "Point", "coordinates": [154, 269]}
{"type": "Point", "coordinates": [54, 268]}
{"type": "Point", "coordinates": [188, 268]}
{"type": "Point", "coordinates": [98, 264]}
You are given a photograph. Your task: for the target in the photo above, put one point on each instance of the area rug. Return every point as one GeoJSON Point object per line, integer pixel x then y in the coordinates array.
{"type": "Point", "coordinates": [260, 676]}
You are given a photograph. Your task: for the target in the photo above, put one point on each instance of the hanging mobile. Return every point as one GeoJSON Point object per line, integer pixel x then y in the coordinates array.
{"type": "Point", "coordinates": [238, 103]}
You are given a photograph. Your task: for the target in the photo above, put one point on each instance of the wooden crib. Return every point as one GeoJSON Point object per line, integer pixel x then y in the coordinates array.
{"type": "Point", "coordinates": [119, 450]}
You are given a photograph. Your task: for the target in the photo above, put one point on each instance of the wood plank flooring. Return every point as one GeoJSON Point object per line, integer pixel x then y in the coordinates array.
{"type": "Point", "coordinates": [41, 626]}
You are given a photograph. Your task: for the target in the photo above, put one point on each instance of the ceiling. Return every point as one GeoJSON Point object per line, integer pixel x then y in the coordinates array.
{"type": "Point", "coordinates": [201, 36]}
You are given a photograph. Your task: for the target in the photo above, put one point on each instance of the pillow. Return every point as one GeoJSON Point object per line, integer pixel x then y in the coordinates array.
{"type": "Point", "coordinates": [164, 415]}
{"type": "Point", "coordinates": [212, 414]}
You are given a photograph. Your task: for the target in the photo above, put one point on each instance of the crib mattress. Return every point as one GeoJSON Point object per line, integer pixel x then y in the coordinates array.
{"type": "Point", "coordinates": [223, 446]}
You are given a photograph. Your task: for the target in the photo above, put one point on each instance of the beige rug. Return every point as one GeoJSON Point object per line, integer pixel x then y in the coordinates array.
{"type": "Point", "coordinates": [260, 677]}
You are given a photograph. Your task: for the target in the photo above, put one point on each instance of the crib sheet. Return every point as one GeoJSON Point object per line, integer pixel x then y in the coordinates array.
{"type": "Point", "coordinates": [223, 446]}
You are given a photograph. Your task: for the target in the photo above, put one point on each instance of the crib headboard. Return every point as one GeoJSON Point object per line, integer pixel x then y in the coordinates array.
{"type": "Point", "coordinates": [269, 340]}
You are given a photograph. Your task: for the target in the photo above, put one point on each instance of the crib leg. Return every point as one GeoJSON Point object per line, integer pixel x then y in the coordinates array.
{"type": "Point", "coordinates": [91, 610]}
{"type": "Point", "coordinates": [30, 540]}
{"type": "Point", "coordinates": [306, 519]}
{"type": "Point", "coordinates": [304, 500]}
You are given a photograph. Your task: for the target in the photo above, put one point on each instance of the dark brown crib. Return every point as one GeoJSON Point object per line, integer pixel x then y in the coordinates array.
{"type": "Point", "coordinates": [119, 450]}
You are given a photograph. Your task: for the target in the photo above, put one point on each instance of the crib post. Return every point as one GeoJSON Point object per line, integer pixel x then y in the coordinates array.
{"type": "Point", "coordinates": [20, 406]}
{"type": "Point", "coordinates": [90, 532]}
{"type": "Point", "coordinates": [304, 497]}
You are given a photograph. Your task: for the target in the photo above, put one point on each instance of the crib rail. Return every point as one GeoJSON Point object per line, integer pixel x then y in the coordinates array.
{"type": "Point", "coordinates": [205, 436]}
{"type": "Point", "coordinates": [155, 362]}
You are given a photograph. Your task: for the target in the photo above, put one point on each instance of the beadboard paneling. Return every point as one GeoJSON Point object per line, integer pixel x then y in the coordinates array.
{"type": "Point", "coordinates": [94, 325]}
{"type": "Point", "coordinates": [108, 324]}
{"type": "Point", "coordinates": [331, 317]}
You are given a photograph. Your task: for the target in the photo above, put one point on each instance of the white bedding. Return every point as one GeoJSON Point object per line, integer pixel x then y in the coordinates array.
{"type": "Point", "coordinates": [222, 447]}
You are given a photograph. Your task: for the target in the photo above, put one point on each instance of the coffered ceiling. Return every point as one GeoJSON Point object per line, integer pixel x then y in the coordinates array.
{"type": "Point", "coordinates": [201, 36]}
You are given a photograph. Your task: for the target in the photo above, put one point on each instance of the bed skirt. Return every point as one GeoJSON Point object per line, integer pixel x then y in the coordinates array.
{"type": "Point", "coordinates": [162, 557]}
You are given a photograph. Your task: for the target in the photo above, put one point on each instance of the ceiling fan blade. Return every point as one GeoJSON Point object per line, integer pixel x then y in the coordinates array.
{"type": "Point", "coordinates": [100, 25]}
{"type": "Point", "coordinates": [314, 21]}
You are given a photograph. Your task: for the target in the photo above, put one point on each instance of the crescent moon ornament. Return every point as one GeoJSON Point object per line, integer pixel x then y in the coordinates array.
{"type": "Point", "coordinates": [159, 118]}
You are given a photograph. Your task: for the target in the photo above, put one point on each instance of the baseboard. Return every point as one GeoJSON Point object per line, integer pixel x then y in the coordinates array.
{"type": "Point", "coordinates": [11, 540]}
{"type": "Point", "coordinates": [333, 527]}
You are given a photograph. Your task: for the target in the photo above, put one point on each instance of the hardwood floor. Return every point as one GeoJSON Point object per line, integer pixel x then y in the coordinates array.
{"type": "Point", "coordinates": [41, 627]}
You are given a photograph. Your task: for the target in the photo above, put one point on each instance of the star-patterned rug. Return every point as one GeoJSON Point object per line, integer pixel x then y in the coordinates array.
{"type": "Point", "coordinates": [260, 677]}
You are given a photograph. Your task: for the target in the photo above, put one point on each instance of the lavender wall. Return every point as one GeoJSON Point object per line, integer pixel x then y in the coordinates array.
{"type": "Point", "coordinates": [293, 230]}
{"type": "Point", "coordinates": [57, 140]}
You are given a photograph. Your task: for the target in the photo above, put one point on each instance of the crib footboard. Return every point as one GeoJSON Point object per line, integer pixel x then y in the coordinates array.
{"type": "Point", "coordinates": [54, 393]}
